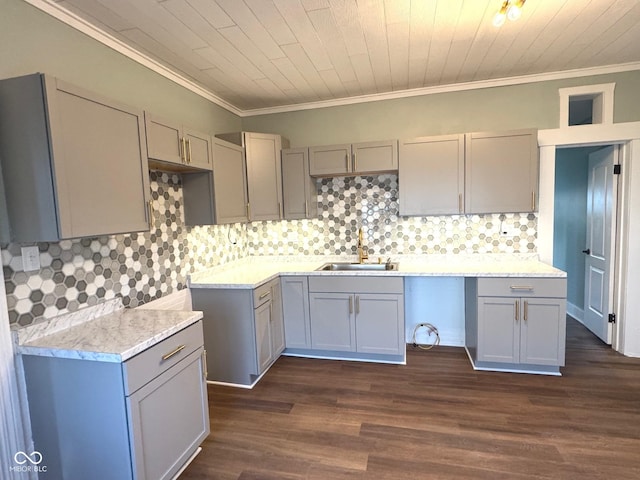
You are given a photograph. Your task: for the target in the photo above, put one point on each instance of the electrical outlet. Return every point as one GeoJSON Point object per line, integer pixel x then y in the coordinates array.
{"type": "Point", "coordinates": [30, 258]}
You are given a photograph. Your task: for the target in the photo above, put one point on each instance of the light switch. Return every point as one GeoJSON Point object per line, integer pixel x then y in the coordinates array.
{"type": "Point", "coordinates": [30, 259]}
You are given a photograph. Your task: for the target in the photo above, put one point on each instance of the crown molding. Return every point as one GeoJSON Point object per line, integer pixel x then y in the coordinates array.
{"type": "Point", "coordinates": [74, 21]}
{"type": "Point", "coordinates": [455, 87]}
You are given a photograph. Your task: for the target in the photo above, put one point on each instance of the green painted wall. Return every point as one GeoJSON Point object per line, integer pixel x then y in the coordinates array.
{"type": "Point", "coordinates": [32, 41]}
{"type": "Point", "coordinates": [500, 108]}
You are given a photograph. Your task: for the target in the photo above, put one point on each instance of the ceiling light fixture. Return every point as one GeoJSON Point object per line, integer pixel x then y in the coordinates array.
{"type": "Point", "coordinates": [511, 9]}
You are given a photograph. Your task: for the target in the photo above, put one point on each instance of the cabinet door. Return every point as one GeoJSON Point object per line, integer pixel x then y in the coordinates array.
{"type": "Point", "coordinates": [263, 176]}
{"type": "Point", "coordinates": [298, 187]}
{"type": "Point", "coordinates": [277, 320]}
{"type": "Point", "coordinates": [542, 331]}
{"type": "Point", "coordinates": [375, 157]}
{"type": "Point", "coordinates": [295, 306]}
{"type": "Point", "coordinates": [501, 172]}
{"type": "Point", "coordinates": [498, 330]}
{"type": "Point", "coordinates": [230, 182]}
{"type": "Point", "coordinates": [199, 150]}
{"type": "Point", "coordinates": [262, 316]}
{"type": "Point", "coordinates": [431, 175]}
{"type": "Point", "coordinates": [164, 139]}
{"type": "Point", "coordinates": [332, 322]}
{"type": "Point", "coordinates": [169, 419]}
{"type": "Point", "coordinates": [330, 160]}
{"type": "Point", "coordinates": [102, 178]}
{"type": "Point", "coordinates": [379, 325]}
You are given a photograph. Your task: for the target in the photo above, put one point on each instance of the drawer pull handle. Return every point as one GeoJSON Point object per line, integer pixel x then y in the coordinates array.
{"type": "Point", "coordinates": [357, 303]}
{"type": "Point", "coordinates": [350, 304]}
{"type": "Point", "coordinates": [178, 349]}
{"type": "Point", "coordinates": [526, 309]}
{"type": "Point", "coordinates": [517, 311]}
{"type": "Point", "coordinates": [520, 287]}
{"type": "Point", "coordinates": [263, 295]}
{"type": "Point", "coordinates": [204, 364]}
{"type": "Point", "coordinates": [183, 150]}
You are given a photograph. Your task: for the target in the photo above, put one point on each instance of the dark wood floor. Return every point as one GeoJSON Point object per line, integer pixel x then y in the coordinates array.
{"type": "Point", "coordinates": [434, 418]}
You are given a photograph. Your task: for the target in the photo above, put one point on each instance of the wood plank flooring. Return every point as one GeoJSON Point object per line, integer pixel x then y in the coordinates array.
{"type": "Point", "coordinates": [434, 418]}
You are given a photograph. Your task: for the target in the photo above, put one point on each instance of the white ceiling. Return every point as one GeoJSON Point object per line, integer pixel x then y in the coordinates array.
{"type": "Point", "coordinates": [258, 54]}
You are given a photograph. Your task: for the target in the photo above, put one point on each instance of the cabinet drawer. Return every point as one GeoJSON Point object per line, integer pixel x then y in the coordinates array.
{"type": "Point", "coordinates": [359, 284]}
{"type": "Point", "coordinates": [261, 294]}
{"type": "Point", "coordinates": [147, 365]}
{"type": "Point", "coordinates": [522, 287]}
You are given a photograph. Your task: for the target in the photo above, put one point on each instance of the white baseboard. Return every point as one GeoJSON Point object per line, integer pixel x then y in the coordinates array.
{"type": "Point", "coordinates": [575, 312]}
{"type": "Point", "coordinates": [180, 300]}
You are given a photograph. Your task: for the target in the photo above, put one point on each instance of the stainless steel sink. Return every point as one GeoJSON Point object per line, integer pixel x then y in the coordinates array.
{"type": "Point", "coordinates": [346, 266]}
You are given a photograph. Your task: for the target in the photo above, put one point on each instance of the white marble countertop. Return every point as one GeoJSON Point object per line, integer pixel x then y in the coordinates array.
{"type": "Point", "coordinates": [251, 272]}
{"type": "Point", "coordinates": [106, 333]}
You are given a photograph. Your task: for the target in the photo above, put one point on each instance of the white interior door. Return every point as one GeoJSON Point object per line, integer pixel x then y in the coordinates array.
{"type": "Point", "coordinates": [600, 245]}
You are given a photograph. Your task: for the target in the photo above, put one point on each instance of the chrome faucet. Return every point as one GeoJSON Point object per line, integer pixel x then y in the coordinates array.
{"type": "Point", "coordinates": [363, 252]}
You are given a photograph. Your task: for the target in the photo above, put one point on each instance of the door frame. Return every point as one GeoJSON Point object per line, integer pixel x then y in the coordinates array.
{"type": "Point", "coordinates": [626, 334]}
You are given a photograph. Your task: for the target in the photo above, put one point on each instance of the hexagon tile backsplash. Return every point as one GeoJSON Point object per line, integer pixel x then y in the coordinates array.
{"type": "Point", "coordinates": [141, 267]}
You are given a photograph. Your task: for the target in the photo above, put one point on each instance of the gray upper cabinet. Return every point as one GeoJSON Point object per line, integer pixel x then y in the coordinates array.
{"type": "Point", "coordinates": [74, 164]}
{"type": "Point", "coordinates": [375, 157]}
{"type": "Point", "coordinates": [501, 172]}
{"type": "Point", "coordinates": [299, 191]}
{"type": "Point", "coordinates": [353, 159]}
{"type": "Point", "coordinates": [230, 182]}
{"type": "Point", "coordinates": [171, 146]}
{"type": "Point", "coordinates": [330, 160]}
{"type": "Point", "coordinates": [431, 175]}
{"type": "Point", "coordinates": [199, 152]}
{"type": "Point", "coordinates": [263, 172]}
{"type": "Point", "coordinates": [264, 175]}
{"type": "Point", "coordinates": [220, 196]}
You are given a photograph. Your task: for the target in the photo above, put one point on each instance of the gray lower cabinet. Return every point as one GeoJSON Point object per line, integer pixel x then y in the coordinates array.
{"type": "Point", "coordinates": [141, 419]}
{"type": "Point", "coordinates": [62, 151]}
{"type": "Point", "coordinates": [353, 159]}
{"type": "Point", "coordinates": [501, 172]}
{"type": "Point", "coordinates": [431, 175]}
{"type": "Point", "coordinates": [364, 315]}
{"type": "Point", "coordinates": [295, 306]}
{"type": "Point", "coordinates": [243, 331]}
{"type": "Point", "coordinates": [171, 144]}
{"type": "Point", "coordinates": [516, 323]}
{"type": "Point", "coordinates": [299, 191]}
